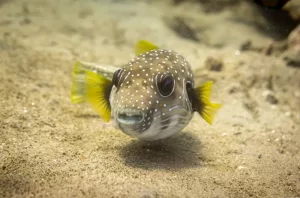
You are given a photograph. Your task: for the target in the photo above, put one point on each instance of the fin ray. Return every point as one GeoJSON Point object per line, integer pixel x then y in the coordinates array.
{"type": "Point", "coordinates": [78, 84]}
{"type": "Point", "coordinates": [203, 105]}
{"type": "Point", "coordinates": [97, 94]}
{"type": "Point", "coordinates": [90, 87]}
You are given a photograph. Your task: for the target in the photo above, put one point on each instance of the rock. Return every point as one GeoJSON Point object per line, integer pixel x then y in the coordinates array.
{"type": "Point", "coordinates": [247, 45]}
{"type": "Point", "coordinates": [292, 58]}
{"type": "Point", "coordinates": [293, 8]}
{"type": "Point", "coordinates": [214, 64]}
{"type": "Point", "coordinates": [211, 6]}
{"type": "Point", "coordinates": [270, 97]}
{"type": "Point", "coordinates": [292, 55]}
{"type": "Point", "coordinates": [180, 26]}
{"type": "Point", "coordinates": [294, 39]}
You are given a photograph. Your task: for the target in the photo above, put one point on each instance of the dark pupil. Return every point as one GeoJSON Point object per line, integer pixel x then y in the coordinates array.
{"type": "Point", "coordinates": [166, 85]}
{"type": "Point", "coordinates": [116, 79]}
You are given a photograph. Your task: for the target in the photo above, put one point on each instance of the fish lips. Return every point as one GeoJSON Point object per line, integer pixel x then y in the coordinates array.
{"type": "Point", "coordinates": [130, 121]}
{"type": "Point", "coordinates": [133, 122]}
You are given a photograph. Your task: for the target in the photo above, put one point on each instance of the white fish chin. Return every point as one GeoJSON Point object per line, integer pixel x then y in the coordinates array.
{"type": "Point", "coordinates": [155, 132]}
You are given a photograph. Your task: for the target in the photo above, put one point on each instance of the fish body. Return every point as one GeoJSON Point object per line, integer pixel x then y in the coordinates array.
{"type": "Point", "coordinates": [151, 97]}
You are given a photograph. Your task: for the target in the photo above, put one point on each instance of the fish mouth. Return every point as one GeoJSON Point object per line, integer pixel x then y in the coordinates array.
{"type": "Point", "coordinates": [130, 117]}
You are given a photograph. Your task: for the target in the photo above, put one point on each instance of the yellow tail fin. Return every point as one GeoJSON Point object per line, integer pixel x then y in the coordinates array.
{"type": "Point", "coordinates": [88, 86]}
{"type": "Point", "coordinates": [78, 84]}
{"type": "Point", "coordinates": [144, 46]}
{"type": "Point", "coordinates": [206, 109]}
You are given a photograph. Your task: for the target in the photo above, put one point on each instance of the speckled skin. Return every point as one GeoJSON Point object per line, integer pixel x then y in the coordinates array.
{"type": "Point", "coordinates": [137, 93]}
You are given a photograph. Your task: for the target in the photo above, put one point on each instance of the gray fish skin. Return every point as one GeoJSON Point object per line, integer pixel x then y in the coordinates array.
{"type": "Point", "coordinates": [139, 108]}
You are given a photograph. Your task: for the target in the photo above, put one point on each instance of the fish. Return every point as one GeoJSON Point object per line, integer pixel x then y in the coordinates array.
{"type": "Point", "coordinates": [151, 97]}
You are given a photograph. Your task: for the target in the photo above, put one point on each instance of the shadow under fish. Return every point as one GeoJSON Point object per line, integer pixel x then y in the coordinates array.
{"type": "Point", "coordinates": [178, 152]}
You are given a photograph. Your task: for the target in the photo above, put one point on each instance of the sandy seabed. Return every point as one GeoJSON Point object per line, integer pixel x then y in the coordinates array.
{"type": "Point", "coordinates": [50, 147]}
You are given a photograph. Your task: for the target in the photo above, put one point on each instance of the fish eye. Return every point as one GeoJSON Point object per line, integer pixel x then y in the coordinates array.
{"type": "Point", "coordinates": [116, 77]}
{"type": "Point", "coordinates": [189, 90]}
{"type": "Point", "coordinates": [166, 85]}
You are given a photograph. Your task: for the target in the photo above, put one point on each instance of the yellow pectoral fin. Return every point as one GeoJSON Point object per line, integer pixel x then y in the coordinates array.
{"type": "Point", "coordinates": [208, 112]}
{"type": "Point", "coordinates": [205, 108]}
{"type": "Point", "coordinates": [143, 46]}
{"type": "Point", "coordinates": [97, 91]}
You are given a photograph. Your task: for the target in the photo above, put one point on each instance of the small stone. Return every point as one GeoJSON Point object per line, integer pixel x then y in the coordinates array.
{"type": "Point", "coordinates": [247, 45]}
{"type": "Point", "coordinates": [270, 97]}
{"type": "Point", "coordinates": [214, 64]}
{"type": "Point", "coordinates": [237, 52]}
{"type": "Point", "coordinates": [241, 167]}
{"type": "Point", "coordinates": [259, 156]}
{"type": "Point", "coordinates": [292, 55]}
{"type": "Point", "coordinates": [292, 58]}
{"type": "Point", "coordinates": [234, 89]}
{"type": "Point", "coordinates": [287, 114]}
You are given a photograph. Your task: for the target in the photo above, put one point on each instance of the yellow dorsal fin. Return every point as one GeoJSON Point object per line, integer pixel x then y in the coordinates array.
{"type": "Point", "coordinates": [206, 109]}
{"type": "Point", "coordinates": [143, 46]}
{"type": "Point", "coordinates": [97, 94]}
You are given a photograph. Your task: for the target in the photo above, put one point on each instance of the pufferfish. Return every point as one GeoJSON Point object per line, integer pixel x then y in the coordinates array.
{"type": "Point", "coordinates": [152, 97]}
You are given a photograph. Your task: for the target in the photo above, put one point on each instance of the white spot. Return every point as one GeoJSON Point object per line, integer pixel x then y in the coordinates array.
{"type": "Point", "coordinates": [237, 52]}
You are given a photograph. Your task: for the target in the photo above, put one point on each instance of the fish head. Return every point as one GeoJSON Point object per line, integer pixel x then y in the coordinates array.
{"type": "Point", "coordinates": [151, 95]}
